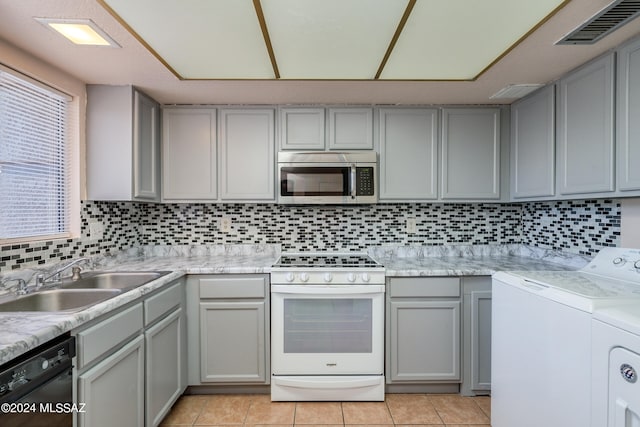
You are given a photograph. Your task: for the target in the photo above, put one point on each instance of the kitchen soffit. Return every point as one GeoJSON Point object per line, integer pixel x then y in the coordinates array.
{"type": "Point", "coordinates": [331, 39]}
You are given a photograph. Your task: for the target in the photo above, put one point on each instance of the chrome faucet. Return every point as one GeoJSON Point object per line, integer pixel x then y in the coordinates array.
{"type": "Point", "coordinates": [20, 288]}
{"type": "Point", "coordinates": [54, 277]}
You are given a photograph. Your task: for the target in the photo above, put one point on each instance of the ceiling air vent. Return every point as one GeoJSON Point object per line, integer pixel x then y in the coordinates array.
{"type": "Point", "coordinates": [605, 22]}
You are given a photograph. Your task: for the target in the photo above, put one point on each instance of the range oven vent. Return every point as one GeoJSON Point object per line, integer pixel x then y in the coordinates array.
{"type": "Point", "coordinates": [605, 22]}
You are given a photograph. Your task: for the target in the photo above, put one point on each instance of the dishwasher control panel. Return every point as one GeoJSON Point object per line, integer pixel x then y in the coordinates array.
{"type": "Point", "coordinates": [35, 367]}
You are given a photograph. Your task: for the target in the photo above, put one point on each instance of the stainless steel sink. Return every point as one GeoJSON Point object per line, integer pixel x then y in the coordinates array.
{"type": "Point", "coordinates": [58, 300]}
{"type": "Point", "coordinates": [122, 280]}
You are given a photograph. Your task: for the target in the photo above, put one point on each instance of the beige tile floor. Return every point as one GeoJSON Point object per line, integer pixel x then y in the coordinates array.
{"type": "Point", "coordinates": [397, 410]}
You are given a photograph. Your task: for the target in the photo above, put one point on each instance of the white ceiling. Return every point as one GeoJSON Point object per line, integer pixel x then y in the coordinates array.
{"type": "Point", "coordinates": [535, 60]}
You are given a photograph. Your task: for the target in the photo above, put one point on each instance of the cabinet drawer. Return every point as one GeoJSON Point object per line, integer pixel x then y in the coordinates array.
{"type": "Point", "coordinates": [100, 338]}
{"type": "Point", "coordinates": [161, 303]}
{"type": "Point", "coordinates": [233, 287]}
{"type": "Point", "coordinates": [424, 287]}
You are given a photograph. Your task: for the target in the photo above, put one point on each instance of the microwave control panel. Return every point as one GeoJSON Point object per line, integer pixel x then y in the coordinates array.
{"type": "Point", "coordinates": [364, 181]}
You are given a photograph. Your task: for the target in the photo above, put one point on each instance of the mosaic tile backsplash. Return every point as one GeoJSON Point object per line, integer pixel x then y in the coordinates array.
{"type": "Point", "coordinates": [580, 227]}
{"type": "Point", "coordinates": [576, 226]}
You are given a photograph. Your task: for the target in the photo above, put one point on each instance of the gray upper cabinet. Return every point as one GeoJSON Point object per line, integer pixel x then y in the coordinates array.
{"type": "Point", "coordinates": [533, 145]}
{"type": "Point", "coordinates": [247, 154]}
{"type": "Point", "coordinates": [627, 113]}
{"type": "Point", "coordinates": [586, 129]}
{"type": "Point", "coordinates": [123, 144]}
{"type": "Point", "coordinates": [408, 154]}
{"type": "Point", "coordinates": [470, 153]}
{"type": "Point", "coordinates": [350, 128]}
{"type": "Point", "coordinates": [189, 154]}
{"type": "Point", "coordinates": [302, 128]}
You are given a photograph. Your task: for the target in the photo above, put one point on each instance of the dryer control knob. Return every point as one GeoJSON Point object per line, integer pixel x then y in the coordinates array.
{"type": "Point", "coordinates": [636, 265]}
{"type": "Point", "coordinates": [628, 373]}
{"type": "Point", "coordinates": [304, 277]}
{"type": "Point", "coordinates": [619, 261]}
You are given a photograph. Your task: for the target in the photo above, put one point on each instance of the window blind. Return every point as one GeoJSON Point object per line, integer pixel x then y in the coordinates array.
{"type": "Point", "coordinates": [34, 160]}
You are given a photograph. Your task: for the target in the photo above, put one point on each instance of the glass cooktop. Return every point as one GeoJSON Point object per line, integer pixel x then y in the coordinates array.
{"type": "Point", "coordinates": [326, 260]}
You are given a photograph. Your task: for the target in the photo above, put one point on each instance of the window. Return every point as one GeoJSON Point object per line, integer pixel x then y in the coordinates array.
{"type": "Point", "coordinates": [34, 160]}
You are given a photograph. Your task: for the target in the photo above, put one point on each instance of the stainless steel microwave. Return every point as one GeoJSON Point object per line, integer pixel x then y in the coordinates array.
{"type": "Point", "coordinates": [328, 177]}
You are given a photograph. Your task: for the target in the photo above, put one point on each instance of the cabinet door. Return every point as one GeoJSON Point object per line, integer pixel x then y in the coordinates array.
{"type": "Point", "coordinates": [189, 154]}
{"type": "Point", "coordinates": [164, 354]}
{"type": "Point", "coordinates": [113, 390]}
{"type": "Point", "coordinates": [302, 128]}
{"type": "Point", "coordinates": [471, 153]}
{"type": "Point", "coordinates": [408, 154]}
{"type": "Point", "coordinates": [481, 340]}
{"type": "Point", "coordinates": [350, 128]}
{"type": "Point", "coordinates": [425, 341]}
{"type": "Point", "coordinates": [247, 154]}
{"type": "Point", "coordinates": [146, 148]}
{"type": "Point", "coordinates": [533, 145]}
{"type": "Point", "coordinates": [585, 129]}
{"type": "Point", "coordinates": [109, 135]}
{"type": "Point", "coordinates": [232, 341]}
{"type": "Point", "coordinates": [628, 110]}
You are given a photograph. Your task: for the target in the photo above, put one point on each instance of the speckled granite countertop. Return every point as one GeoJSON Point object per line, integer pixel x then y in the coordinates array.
{"type": "Point", "coordinates": [479, 260]}
{"type": "Point", "coordinates": [22, 332]}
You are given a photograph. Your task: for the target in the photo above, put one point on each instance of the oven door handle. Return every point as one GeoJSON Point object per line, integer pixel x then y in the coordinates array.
{"type": "Point", "coordinates": [332, 383]}
{"type": "Point", "coordinates": [328, 290]}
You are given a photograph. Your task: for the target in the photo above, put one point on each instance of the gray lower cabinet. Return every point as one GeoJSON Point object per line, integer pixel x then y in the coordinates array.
{"type": "Point", "coordinates": [113, 390]}
{"type": "Point", "coordinates": [229, 339]}
{"type": "Point", "coordinates": [423, 330]}
{"type": "Point", "coordinates": [113, 385]}
{"type": "Point", "coordinates": [165, 355]}
{"type": "Point", "coordinates": [131, 365]}
{"type": "Point", "coordinates": [476, 325]}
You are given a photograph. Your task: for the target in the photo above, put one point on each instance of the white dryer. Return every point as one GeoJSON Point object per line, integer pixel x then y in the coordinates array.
{"type": "Point", "coordinates": [541, 365]}
{"type": "Point", "coordinates": [616, 366]}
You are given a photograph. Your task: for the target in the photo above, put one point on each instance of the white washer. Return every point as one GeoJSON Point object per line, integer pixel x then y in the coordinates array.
{"type": "Point", "coordinates": [541, 338]}
{"type": "Point", "coordinates": [616, 366]}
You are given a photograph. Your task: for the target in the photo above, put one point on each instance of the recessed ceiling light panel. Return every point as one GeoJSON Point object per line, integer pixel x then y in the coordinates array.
{"type": "Point", "coordinates": [200, 39]}
{"type": "Point", "coordinates": [79, 31]}
{"type": "Point", "coordinates": [454, 40]}
{"type": "Point", "coordinates": [331, 39]}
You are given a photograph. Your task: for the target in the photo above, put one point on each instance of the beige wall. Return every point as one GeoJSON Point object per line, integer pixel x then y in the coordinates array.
{"type": "Point", "coordinates": [20, 61]}
{"type": "Point", "coordinates": [630, 227]}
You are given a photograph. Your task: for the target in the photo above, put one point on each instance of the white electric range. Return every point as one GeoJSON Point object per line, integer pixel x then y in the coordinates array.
{"type": "Point", "coordinates": [327, 327]}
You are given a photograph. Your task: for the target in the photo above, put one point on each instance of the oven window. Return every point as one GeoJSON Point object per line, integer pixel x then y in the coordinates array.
{"type": "Point", "coordinates": [302, 181]}
{"type": "Point", "coordinates": [332, 325]}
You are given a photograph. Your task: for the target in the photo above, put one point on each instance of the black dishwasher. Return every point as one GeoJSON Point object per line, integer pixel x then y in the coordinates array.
{"type": "Point", "coordinates": [36, 390]}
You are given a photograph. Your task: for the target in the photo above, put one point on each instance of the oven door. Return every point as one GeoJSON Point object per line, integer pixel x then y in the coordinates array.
{"type": "Point", "coordinates": [327, 330]}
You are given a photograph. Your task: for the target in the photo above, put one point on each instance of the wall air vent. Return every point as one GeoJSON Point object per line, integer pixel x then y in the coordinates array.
{"type": "Point", "coordinates": [603, 23]}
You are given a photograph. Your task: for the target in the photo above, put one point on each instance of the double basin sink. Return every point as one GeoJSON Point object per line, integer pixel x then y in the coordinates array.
{"type": "Point", "coordinates": [76, 295]}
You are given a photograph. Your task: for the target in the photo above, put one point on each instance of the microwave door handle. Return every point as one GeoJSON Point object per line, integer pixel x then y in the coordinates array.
{"type": "Point", "coordinates": [353, 182]}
